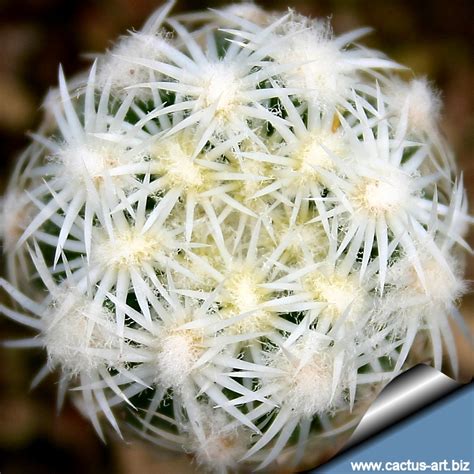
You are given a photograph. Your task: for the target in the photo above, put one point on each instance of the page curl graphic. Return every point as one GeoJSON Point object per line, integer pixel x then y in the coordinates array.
{"type": "Point", "coordinates": [409, 392]}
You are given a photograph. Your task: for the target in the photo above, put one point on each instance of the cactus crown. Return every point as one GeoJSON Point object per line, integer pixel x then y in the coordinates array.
{"type": "Point", "coordinates": [235, 225]}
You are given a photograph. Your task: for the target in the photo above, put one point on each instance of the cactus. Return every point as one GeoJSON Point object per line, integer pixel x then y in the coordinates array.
{"type": "Point", "coordinates": [233, 229]}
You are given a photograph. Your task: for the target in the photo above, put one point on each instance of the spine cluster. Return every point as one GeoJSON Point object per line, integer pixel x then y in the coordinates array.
{"type": "Point", "coordinates": [235, 226]}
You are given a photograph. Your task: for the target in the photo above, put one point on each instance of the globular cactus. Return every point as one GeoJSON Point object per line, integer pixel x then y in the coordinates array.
{"type": "Point", "coordinates": [233, 228]}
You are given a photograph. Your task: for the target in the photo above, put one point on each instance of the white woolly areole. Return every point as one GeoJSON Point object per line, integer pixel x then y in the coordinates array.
{"type": "Point", "coordinates": [129, 248]}
{"type": "Point", "coordinates": [305, 238]}
{"type": "Point", "coordinates": [307, 383]}
{"type": "Point", "coordinates": [319, 67]}
{"type": "Point", "coordinates": [316, 151]}
{"type": "Point", "coordinates": [383, 190]}
{"type": "Point", "coordinates": [442, 284]}
{"type": "Point", "coordinates": [15, 214]}
{"type": "Point", "coordinates": [421, 100]}
{"type": "Point", "coordinates": [340, 292]}
{"type": "Point", "coordinates": [249, 11]}
{"type": "Point", "coordinates": [241, 287]}
{"type": "Point", "coordinates": [176, 352]}
{"type": "Point", "coordinates": [222, 447]}
{"type": "Point", "coordinates": [241, 293]}
{"type": "Point", "coordinates": [220, 89]}
{"type": "Point", "coordinates": [249, 187]}
{"type": "Point", "coordinates": [172, 158]}
{"type": "Point", "coordinates": [76, 329]}
{"type": "Point", "coordinates": [118, 68]}
{"type": "Point", "coordinates": [91, 161]}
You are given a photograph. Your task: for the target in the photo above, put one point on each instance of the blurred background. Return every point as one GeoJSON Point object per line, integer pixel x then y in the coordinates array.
{"type": "Point", "coordinates": [433, 37]}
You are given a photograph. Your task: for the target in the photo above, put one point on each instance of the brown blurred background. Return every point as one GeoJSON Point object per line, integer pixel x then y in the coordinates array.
{"type": "Point", "coordinates": [435, 38]}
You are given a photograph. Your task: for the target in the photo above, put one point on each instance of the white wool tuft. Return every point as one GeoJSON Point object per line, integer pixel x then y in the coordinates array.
{"type": "Point", "coordinates": [76, 330]}
{"type": "Point", "coordinates": [308, 375]}
{"type": "Point", "coordinates": [176, 353]}
{"type": "Point", "coordinates": [221, 447]}
{"type": "Point", "coordinates": [422, 101]}
{"type": "Point", "coordinates": [118, 69]}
